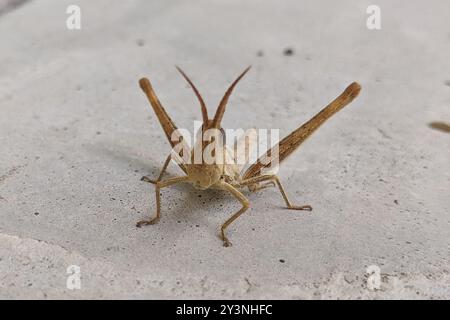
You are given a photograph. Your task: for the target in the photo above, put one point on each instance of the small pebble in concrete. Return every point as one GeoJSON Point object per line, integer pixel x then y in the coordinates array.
{"type": "Point", "coordinates": [282, 261]}
{"type": "Point", "coordinates": [36, 213]}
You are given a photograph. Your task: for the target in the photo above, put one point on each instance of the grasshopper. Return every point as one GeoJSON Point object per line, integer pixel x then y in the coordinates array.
{"type": "Point", "coordinates": [228, 177]}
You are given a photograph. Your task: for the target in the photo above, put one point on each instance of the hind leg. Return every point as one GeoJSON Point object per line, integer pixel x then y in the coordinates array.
{"type": "Point", "coordinates": [275, 179]}
{"type": "Point", "coordinates": [260, 186]}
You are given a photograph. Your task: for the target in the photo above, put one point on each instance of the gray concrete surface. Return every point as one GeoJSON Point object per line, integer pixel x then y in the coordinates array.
{"type": "Point", "coordinates": [76, 135]}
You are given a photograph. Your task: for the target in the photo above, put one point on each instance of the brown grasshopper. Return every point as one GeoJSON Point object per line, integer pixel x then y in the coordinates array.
{"type": "Point", "coordinates": [228, 176]}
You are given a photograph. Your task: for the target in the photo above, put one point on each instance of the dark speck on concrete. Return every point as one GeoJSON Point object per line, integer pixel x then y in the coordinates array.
{"type": "Point", "coordinates": [36, 213]}
{"type": "Point", "coordinates": [447, 83]}
{"type": "Point", "coordinates": [140, 42]}
{"type": "Point", "coordinates": [282, 261]}
{"type": "Point", "coordinates": [288, 52]}
{"type": "Point", "coordinates": [260, 53]}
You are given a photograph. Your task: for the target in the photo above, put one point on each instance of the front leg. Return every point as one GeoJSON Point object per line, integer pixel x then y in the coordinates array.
{"type": "Point", "coordinates": [245, 205]}
{"type": "Point", "coordinates": [161, 174]}
{"type": "Point", "coordinates": [160, 185]}
{"type": "Point", "coordinates": [274, 178]}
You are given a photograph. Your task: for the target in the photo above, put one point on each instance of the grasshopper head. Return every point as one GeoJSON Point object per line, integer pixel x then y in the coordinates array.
{"type": "Point", "coordinates": [207, 173]}
{"type": "Point", "coordinates": [203, 176]}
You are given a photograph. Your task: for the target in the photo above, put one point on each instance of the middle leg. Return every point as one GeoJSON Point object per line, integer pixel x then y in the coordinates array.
{"type": "Point", "coordinates": [245, 205]}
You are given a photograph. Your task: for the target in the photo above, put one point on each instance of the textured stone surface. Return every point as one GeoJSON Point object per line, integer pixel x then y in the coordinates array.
{"type": "Point", "coordinates": [76, 135]}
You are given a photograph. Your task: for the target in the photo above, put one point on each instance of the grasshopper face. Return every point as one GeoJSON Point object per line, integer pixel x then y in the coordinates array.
{"type": "Point", "coordinates": [204, 176]}
{"type": "Point", "coordinates": [209, 169]}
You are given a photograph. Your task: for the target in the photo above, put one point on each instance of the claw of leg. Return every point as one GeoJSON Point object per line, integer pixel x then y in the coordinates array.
{"type": "Point", "coordinates": [306, 207]}
{"type": "Point", "coordinates": [147, 179]}
{"type": "Point", "coordinates": [226, 242]}
{"type": "Point", "coordinates": [147, 222]}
